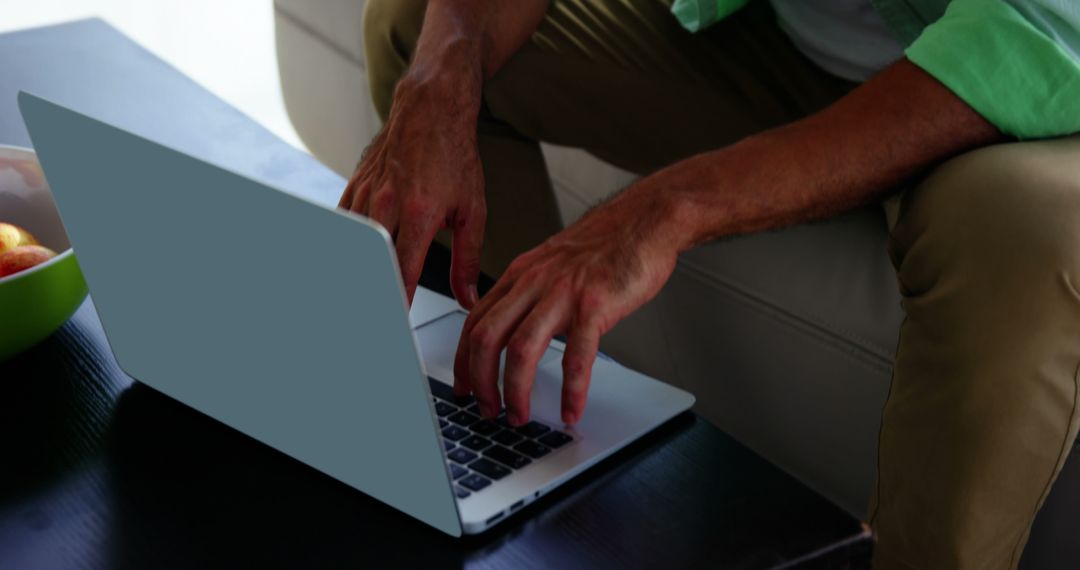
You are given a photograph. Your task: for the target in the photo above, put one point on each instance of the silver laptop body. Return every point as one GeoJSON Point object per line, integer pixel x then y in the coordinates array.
{"type": "Point", "coordinates": [286, 320]}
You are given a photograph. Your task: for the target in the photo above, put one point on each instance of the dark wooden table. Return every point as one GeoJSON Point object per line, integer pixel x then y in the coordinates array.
{"type": "Point", "coordinates": [97, 471]}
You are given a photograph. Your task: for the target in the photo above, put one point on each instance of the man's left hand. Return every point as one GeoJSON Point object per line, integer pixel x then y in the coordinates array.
{"type": "Point", "coordinates": [579, 282]}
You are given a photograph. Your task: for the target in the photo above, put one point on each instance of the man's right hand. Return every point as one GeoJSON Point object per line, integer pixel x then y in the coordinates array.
{"type": "Point", "coordinates": [420, 174]}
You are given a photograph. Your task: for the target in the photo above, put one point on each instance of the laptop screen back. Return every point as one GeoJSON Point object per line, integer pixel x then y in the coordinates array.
{"type": "Point", "coordinates": [276, 316]}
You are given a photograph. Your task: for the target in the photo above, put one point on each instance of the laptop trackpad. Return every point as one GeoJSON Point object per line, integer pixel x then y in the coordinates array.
{"type": "Point", "coordinates": [438, 342]}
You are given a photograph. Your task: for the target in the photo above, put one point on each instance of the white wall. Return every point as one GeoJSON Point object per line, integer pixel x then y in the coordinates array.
{"type": "Point", "coordinates": [225, 45]}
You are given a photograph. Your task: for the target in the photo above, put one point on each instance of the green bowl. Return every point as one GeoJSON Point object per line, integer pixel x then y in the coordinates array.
{"type": "Point", "coordinates": [34, 302]}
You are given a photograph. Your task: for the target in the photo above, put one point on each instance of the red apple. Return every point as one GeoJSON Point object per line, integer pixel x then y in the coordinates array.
{"type": "Point", "coordinates": [23, 257]}
{"type": "Point", "coordinates": [12, 236]}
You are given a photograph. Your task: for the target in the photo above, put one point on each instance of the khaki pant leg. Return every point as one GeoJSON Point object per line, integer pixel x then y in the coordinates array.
{"type": "Point", "coordinates": [983, 406]}
{"type": "Point", "coordinates": [624, 81]}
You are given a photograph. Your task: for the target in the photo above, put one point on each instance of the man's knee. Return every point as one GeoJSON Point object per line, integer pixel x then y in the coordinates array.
{"type": "Point", "coordinates": [1006, 209]}
{"type": "Point", "coordinates": [390, 31]}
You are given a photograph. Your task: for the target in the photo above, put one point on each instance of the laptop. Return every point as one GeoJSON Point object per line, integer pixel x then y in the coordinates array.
{"type": "Point", "coordinates": [287, 320]}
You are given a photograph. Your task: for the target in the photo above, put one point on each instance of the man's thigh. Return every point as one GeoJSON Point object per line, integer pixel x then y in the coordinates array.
{"type": "Point", "coordinates": [623, 80]}
{"type": "Point", "coordinates": [985, 400]}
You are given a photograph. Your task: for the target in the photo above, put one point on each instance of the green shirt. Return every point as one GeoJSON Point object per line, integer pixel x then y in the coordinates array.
{"type": "Point", "coordinates": [1016, 62]}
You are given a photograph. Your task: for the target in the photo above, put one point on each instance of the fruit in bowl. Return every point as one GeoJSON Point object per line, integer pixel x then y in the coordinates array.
{"type": "Point", "coordinates": [20, 250]}
{"type": "Point", "coordinates": [12, 236]}
{"type": "Point", "coordinates": [39, 288]}
{"type": "Point", "coordinates": [23, 257]}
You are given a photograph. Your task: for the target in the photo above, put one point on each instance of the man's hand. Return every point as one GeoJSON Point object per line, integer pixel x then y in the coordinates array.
{"type": "Point", "coordinates": [422, 172]}
{"type": "Point", "coordinates": [579, 283]}
{"type": "Point", "coordinates": [416, 178]}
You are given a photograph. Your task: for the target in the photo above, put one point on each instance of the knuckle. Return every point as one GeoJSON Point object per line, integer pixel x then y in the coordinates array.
{"type": "Point", "coordinates": [519, 350]}
{"type": "Point", "coordinates": [573, 366]}
{"type": "Point", "coordinates": [534, 274]}
{"type": "Point", "coordinates": [481, 338]}
{"type": "Point", "coordinates": [383, 199]}
{"type": "Point", "coordinates": [517, 266]}
{"type": "Point", "coordinates": [592, 300]}
{"type": "Point", "coordinates": [415, 207]}
{"type": "Point", "coordinates": [469, 326]}
{"type": "Point", "coordinates": [562, 285]}
{"type": "Point", "coordinates": [465, 266]}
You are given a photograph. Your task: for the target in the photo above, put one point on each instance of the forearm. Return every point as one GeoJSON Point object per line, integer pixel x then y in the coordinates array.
{"type": "Point", "coordinates": [463, 43]}
{"type": "Point", "coordinates": [858, 150]}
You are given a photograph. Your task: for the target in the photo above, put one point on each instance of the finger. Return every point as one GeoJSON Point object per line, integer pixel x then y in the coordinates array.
{"type": "Point", "coordinates": [361, 198]}
{"type": "Point", "coordinates": [361, 178]}
{"type": "Point", "coordinates": [346, 200]}
{"type": "Point", "coordinates": [462, 383]}
{"type": "Point", "coordinates": [413, 240]}
{"type": "Point", "coordinates": [383, 208]}
{"type": "Point", "coordinates": [486, 342]}
{"type": "Point", "coordinates": [581, 346]}
{"type": "Point", "coordinates": [355, 196]}
{"type": "Point", "coordinates": [527, 345]}
{"type": "Point", "coordinates": [465, 256]}
{"type": "Point", "coordinates": [501, 288]}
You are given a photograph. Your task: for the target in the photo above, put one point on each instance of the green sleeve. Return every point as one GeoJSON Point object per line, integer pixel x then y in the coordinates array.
{"type": "Point", "coordinates": [696, 15]}
{"type": "Point", "coordinates": [1020, 76]}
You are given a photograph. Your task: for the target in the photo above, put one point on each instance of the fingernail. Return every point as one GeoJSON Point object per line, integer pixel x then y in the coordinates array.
{"type": "Point", "coordinates": [569, 418]}
{"type": "Point", "coordinates": [473, 295]}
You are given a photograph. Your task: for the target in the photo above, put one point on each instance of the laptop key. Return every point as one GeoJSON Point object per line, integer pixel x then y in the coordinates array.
{"type": "Point", "coordinates": [441, 390]}
{"type": "Point", "coordinates": [461, 493]}
{"type": "Point", "coordinates": [484, 427]}
{"type": "Point", "coordinates": [443, 423]}
{"type": "Point", "coordinates": [448, 445]}
{"type": "Point", "coordinates": [555, 439]}
{"type": "Point", "coordinates": [490, 468]}
{"type": "Point", "coordinates": [532, 449]}
{"type": "Point", "coordinates": [461, 455]}
{"type": "Point", "coordinates": [474, 482]}
{"type": "Point", "coordinates": [475, 442]}
{"type": "Point", "coordinates": [463, 419]}
{"type": "Point", "coordinates": [457, 471]}
{"type": "Point", "coordinates": [506, 457]}
{"type": "Point", "coordinates": [446, 392]}
{"type": "Point", "coordinates": [507, 437]}
{"type": "Point", "coordinates": [533, 429]}
{"type": "Point", "coordinates": [454, 433]}
{"type": "Point", "coordinates": [444, 409]}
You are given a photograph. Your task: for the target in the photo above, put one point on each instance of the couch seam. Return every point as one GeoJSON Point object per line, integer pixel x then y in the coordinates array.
{"type": "Point", "coordinates": [811, 320]}
{"type": "Point", "coordinates": [865, 354]}
{"type": "Point", "coordinates": [310, 30]}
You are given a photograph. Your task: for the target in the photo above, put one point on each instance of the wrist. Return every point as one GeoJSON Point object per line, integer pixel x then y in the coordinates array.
{"type": "Point", "coordinates": [446, 81]}
{"type": "Point", "coordinates": [671, 213]}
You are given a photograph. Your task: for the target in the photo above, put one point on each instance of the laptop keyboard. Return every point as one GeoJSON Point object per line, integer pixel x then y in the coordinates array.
{"type": "Point", "coordinates": [480, 451]}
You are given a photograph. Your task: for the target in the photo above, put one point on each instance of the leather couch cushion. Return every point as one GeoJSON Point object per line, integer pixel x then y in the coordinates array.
{"type": "Point", "coordinates": [834, 276]}
{"type": "Point", "coordinates": [337, 22]}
